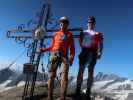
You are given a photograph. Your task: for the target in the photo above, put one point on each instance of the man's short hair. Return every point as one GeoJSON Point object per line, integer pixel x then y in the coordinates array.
{"type": "Point", "coordinates": [91, 19]}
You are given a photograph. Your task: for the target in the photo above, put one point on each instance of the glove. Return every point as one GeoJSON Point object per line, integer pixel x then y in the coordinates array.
{"type": "Point", "coordinates": [43, 49]}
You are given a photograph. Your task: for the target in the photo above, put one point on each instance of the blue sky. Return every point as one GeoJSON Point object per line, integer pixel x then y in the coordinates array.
{"type": "Point", "coordinates": [114, 19]}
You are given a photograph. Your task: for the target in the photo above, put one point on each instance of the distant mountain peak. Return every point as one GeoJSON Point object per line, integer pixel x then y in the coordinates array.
{"type": "Point", "coordinates": [105, 77]}
{"type": "Point", "coordinates": [5, 74]}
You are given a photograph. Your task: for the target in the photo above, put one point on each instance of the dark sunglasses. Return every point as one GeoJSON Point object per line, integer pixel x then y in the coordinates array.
{"type": "Point", "coordinates": [91, 22]}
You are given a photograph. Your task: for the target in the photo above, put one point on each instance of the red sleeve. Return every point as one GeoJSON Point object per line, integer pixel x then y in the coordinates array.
{"type": "Point", "coordinates": [99, 37]}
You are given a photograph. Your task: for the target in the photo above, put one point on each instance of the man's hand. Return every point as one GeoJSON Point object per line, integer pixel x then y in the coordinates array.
{"type": "Point", "coordinates": [99, 54]}
{"type": "Point", "coordinates": [41, 49]}
{"type": "Point", "coordinates": [38, 50]}
{"type": "Point", "coordinates": [70, 60]}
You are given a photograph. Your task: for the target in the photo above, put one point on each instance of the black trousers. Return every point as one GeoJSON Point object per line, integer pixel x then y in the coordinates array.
{"type": "Point", "coordinates": [87, 58]}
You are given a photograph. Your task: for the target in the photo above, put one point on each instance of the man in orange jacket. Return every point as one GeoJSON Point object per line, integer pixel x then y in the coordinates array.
{"type": "Point", "coordinates": [91, 43]}
{"type": "Point", "coordinates": [62, 43]}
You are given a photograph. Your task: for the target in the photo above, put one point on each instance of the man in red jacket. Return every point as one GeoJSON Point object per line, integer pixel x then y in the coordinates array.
{"type": "Point", "coordinates": [91, 43]}
{"type": "Point", "coordinates": [62, 43]}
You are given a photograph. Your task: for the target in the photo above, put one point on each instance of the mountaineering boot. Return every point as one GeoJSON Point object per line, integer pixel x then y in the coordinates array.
{"type": "Point", "coordinates": [78, 94]}
{"type": "Point", "coordinates": [49, 98]}
{"type": "Point", "coordinates": [88, 94]}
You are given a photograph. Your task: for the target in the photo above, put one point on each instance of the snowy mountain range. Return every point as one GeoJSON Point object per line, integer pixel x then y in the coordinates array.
{"type": "Point", "coordinates": [9, 78]}
{"type": "Point", "coordinates": [119, 88]}
{"type": "Point", "coordinates": [111, 85]}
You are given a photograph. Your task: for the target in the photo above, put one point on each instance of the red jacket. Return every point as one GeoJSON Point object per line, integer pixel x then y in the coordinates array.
{"type": "Point", "coordinates": [61, 44]}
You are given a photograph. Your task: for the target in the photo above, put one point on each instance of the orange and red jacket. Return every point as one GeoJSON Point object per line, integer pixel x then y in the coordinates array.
{"type": "Point", "coordinates": [61, 45]}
